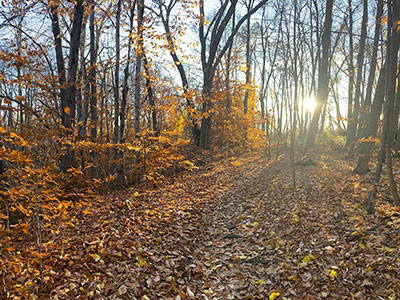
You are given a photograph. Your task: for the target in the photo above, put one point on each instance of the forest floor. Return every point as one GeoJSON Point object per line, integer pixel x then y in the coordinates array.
{"type": "Point", "coordinates": [234, 229]}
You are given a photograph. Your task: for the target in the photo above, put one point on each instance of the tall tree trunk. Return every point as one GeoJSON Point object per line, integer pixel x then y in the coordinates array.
{"type": "Point", "coordinates": [323, 77]}
{"type": "Point", "coordinates": [350, 67]}
{"type": "Point", "coordinates": [295, 97]}
{"type": "Point", "coordinates": [150, 96]}
{"type": "Point", "coordinates": [68, 84]}
{"type": "Point", "coordinates": [248, 63]}
{"type": "Point", "coordinates": [370, 116]}
{"type": "Point", "coordinates": [138, 78]}
{"type": "Point", "coordinates": [119, 167]}
{"type": "Point", "coordinates": [228, 73]}
{"type": "Point", "coordinates": [388, 132]}
{"type": "Point", "coordinates": [389, 117]}
{"type": "Point", "coordinates": [93, 83]}
{"type": "Point", "coordinates": [138, 71]}
{"type": "Point", "coordinates": [372, 73]}
{"type": "Point", "coordinates": [125, 88]}
{"type": "Point", "coordinates": [263, 71]}
{"type": "Point", "coordinates": [116, 79]}
{"type": "Point", "coordinates": [82, 95]}
{"type": "Point", "coordinates": [92, 75]}
{"type": "Point", "coordinates": [353, 122]}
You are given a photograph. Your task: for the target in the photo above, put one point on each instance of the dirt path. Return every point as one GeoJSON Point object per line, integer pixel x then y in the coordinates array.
{"type": "Point", "coordinates": [265, 239]}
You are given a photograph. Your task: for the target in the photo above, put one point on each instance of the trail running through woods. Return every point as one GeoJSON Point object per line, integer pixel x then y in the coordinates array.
{"type": "Point", "coordinates": [234, 229]}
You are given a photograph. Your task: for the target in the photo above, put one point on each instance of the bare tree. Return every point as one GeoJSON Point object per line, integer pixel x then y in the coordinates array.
{"type": "Point", "coordinates": [352, 128]}
{"type": "Point", "coordinates": [323, 77]}
{"type": "Point", "coordinates": [67, 79]}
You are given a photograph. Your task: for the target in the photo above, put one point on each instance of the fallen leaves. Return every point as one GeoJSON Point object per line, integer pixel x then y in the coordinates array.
{"type": "Point", "coordinates": [333, 274]}
{"type": "Point", "coordinates": [273, 296]}
{"type": "Point", "coordinates": [227, 232]}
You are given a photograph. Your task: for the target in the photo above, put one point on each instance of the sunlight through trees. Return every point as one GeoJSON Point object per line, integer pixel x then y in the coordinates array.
{"type": "Point", "coordinates": [119, 96]}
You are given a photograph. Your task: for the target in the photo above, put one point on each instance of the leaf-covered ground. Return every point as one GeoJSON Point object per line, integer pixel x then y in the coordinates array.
{"type": "Point", "coordinates": [235, 229]}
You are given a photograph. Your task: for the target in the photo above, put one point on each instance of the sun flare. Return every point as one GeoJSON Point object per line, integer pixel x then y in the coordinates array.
{"type": "Point", "coordinates": [309, 104]}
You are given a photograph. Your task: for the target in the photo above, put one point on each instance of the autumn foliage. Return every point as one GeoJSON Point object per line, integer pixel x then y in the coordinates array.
{"type": "Point", "coordinates": [166, 150]}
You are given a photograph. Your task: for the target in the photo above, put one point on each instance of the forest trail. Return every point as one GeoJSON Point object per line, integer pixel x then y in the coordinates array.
{"type": "Point", "coordinates": [266, 240]}
{"type": "Point", "coordinates": [234, 229]}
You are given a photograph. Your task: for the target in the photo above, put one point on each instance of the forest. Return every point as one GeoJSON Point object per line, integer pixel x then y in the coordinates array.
{"type": "Point", "coordinates": [199, 149]}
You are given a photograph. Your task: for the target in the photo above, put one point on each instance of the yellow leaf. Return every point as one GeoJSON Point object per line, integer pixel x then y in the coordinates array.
{"type": "Point", "coordinates": [294, 278]}
{"type": "Point", "coordinates": [308, 258]}
{"type": "Point", "coordinates": [254, 224]}
{"type": "Point", "coordinates": [333, 274]}
{"type": "Point", "coordinates": [96, 257]}
{"type": "Point", "coordinates": [260, 281]}
{"type": "Point", "coordinates": [141, 261]}
{"type": "Point", "coordinates": [273, 296]}
{"type": "Point", "coordinates": [136, 194]}
{"type": "Point", "coordinates": [67, 110]}
{"type": "Point", "coordinates": [236, 163]}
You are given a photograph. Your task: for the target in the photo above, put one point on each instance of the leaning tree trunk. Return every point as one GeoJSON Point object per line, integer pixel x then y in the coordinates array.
{"type": "Point", "coordinates": [388, 132]}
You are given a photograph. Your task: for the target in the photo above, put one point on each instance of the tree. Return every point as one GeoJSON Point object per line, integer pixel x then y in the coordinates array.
{"type": "Point", "coordinates": [67, 78]}
{"type": "Point", "coordinates": [211, 58]}
{"type": "Point", "coordinates": [370, 114]}
{"type": "Point", "coordinates": [164, 13]}
{"type": "Point", "coordinates": [390, 94]}
{"type": "Point", "coordinates": [323, 77]}
{"type": "Point", "coordinates": [352, 128]}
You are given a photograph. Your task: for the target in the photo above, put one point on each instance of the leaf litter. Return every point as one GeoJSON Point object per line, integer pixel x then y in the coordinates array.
{"type": "Point", "coordinates": [234, 229]}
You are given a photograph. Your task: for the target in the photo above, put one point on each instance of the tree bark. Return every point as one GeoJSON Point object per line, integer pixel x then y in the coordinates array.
{"type": "Point", "coordinates": [323, 77]}
{"type": "Point", "coordinates": [353, 122]}
{"type": "Point", "coordinates": [119, 167]}
{"type": "Point", "coordinates": [372, 73]}
{"type": "Point", "coordinates": [92, 75]}
{"type": "Point", "coordinates": [350, 67]}
{"type": "Point", "coordinates": [68, 84]}
{"type": "Point", "coordinates": [388, 132]}
{"type": "Point", "coordinates": [138, 71]}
